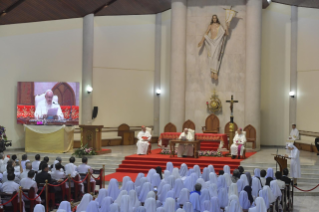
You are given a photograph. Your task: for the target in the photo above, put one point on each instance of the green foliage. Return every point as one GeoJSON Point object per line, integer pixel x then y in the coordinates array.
{"type": "Point", "coordinates": [84, 151]}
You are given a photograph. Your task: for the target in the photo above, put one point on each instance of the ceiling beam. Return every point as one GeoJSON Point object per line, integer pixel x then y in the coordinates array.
{"type": "Point", "coordinates": [104, 6]}
{"type": "Point", "coordinates": [11, 7]}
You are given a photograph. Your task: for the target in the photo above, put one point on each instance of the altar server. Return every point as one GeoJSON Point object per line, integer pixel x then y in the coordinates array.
{"type": "Point", "coordinates": [295, 162]}
{"type": "Point", "coordinates": [144, 137]}
{"type": "Point", "coordinates": [237, 148]}
{"type": "Point", "coordinates": [185, 149]}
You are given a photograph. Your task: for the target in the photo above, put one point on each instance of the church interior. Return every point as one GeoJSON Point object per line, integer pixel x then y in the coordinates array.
{"type": "Point", "coordinates": [127, 86]}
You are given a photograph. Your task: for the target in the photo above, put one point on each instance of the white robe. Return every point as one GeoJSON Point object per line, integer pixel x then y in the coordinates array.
{"type": "Point", "coordinates": [35, 165]}
{"type": "Point", "coordinates": [241, 140]}
{"type": "Point", "coordinates": [142, 146]}
{"type": "Point", "coordinates": [27, 183]}
{"type": "Point", "coordinates": [185, 149]}
{"type": "Point", "coordinates": [43, 108]}
{"type": "Point", "coordinates": [294, 134]}
{"type": "Point", "coordinates": [213, 47]}
{"type": "Point", "coordinates": [295, 162]}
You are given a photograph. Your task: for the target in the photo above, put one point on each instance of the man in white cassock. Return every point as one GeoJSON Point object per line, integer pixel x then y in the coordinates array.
{"type": "Point", "coordinates": [185, 150]}
{"type": "Point", "coordinates": [294, 134]}
{"type": "Point", "coordinates": [143, 141]}
{"type": "Point", "coordinates": [44, 106]}
{"type": "Point", "coordinates": [294, 163]}
{"type": "Point", "coordinates": [238, 146]}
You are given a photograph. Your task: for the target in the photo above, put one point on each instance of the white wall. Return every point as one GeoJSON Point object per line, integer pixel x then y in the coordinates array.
{"type": "Point", "coordinates": [308, 70]}
{"type": "Point", "coordinates": [41, 51]}
{"type": "Point", "coordinates": [275, 74]}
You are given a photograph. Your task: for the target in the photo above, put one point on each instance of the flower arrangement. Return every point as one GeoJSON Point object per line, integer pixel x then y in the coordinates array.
{"type": "Point", "coordinates": [210, 153]}
{"type": "Point", "coordinates": [167, 151]}
{"type": "Point", "coordinates": [3, 135]}
{"type": "Point", "coordinates": [84, 151]}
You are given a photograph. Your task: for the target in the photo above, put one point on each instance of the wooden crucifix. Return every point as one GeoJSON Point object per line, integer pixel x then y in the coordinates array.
{"type": "Point", "coordinates": [231, 101]}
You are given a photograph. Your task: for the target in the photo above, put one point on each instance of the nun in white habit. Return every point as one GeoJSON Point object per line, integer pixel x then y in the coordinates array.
{"type": "Point", "coordinates": [139, 188]}
{"type": "Point", "coordinates": [294, 163]}
{"type": "Point", "coordinates": [212, 177]}
{"type": "Point", "coordinates": [175, 173]}
{"type": "Point", "coordinates": [274, 187]}
{"type": "Point", "coordinates": [179, 185]}
{"type": "Point", "coordinates": [205, 174]}
{"type": "Point", "coordinates": [228, 179]}
{"type": "Point", "coordinates": [257, 172]}
{"type": "Point", "coordinates": [233, 190]}
{"type": "Point", "coordinates": [204, 195]}
{"type": "Point", "coordinates": [125, 203]}
{"type": "Point", "coordinates": [129, 186]}
{"type": "Point", "coordinates": [166, 175]}
{"type": "Point", "coordinates": [196, 169]}
{"type": "Point", "coordinates": [227, 169]}
{"type": "Point", "coordinates": [221, 182]}
{"type": "Point", "coordinates": [240, 185]}
{"type": "Point", "coordinates": [93, 206]}
{"type": "Point", "coordinates": [150, 174]}
{"type": "Point", "coordinates": [245, 181]}
{"type": "Point", "coordinates": [233, 205]}
{"type": "Point", "coordinates": [260, 205]}
{"type": "Point", "coordinates": [147, 187]}
{"type": "Point", "coordinates": [162, 196]}
{"type": "Point", "coordinates": [160, 209]}
{"type": "Point", "coordinates": [134, 202]}
{"type": "Point", "coordinates": [114, 207]}
{"type": "Point", "coordinates": [206, 206]}
{"type": "Point", "coordinates": [169, 205]}
{"type": "Point", "coordinates": [202, 182]}
{"type": "Point", "coordinates": [102, 194]}
{"type": "Point", "coordinates": [65, 205]}
{"type": "Point", "coordinates": [150, 205]}
{"type": "Point", "coordinates": [160, 187]}
{"type": "Point", "coordinates": [214, 205]}
{"type": "Point", "coordinates": [119, 197]}
{"type": "Point", "coordinates": [39, 208]}
{"type": "Point", "coordinates": [86, 199]}
{"type": "Point", "coordinates": [212, 190]}
{"type": "Point", "coordinates": [255, 186]}
{"type": "Point", "coordinates": [190, 182]}
{"type": "Point", "coordinates": [195, 200]}
{"type": "Point", "coordinates": [244, 201]}
{"type": "Point", "coordinates": [105, 204]}
{"type": "Point", "coordinates": [180, 210]}
{"type": "Point", "coordinates": [140, 209]}
{"type": "Point", "coordinates": [183, 197]}
{"type": "Point", "coordinates": [171, 181]}
{"type": "Point", "coordinates": [211, 169]}
{"type": "Point", "coordinates": [125, 180]}
{"type": "Point", "coordinates": [169, 166]}
{"type": "Point", "coordinates": [183, 171]}
{"type": "Point", "coordinates": [270, 173]}
{"type": "Point", "coordinates": [151, 194]}
{"type": "Point", "coordinates": [137, 180]}
{"type": "Point", "coordinates": [223, 197]}
{"type": "Point", "coordinates": [188, 207]}
{"type": "Point", "coordinates": [156, 180]}
{"type": "Point", "coordinates": [113, 188]}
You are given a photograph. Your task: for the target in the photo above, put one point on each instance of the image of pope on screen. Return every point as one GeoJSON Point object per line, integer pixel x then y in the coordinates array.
{"type": "Point", "coordinates": [48, 108]}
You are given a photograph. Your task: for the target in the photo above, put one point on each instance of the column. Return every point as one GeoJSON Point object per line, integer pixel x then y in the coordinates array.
{"type": "Point", "coordinates": [293, 65]}
{"type": "Point", "coordinates": [157, 72]}
{"type": "Point", "coordinates": [253, 65]}
{"type": "Point", "coordinates": [178, 63]}
{"type": "Point", "coordinates": [87, 68]}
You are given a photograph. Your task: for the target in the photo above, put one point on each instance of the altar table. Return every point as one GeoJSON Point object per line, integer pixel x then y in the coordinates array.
{"type": "Point", "coordinates": [48, 139]}
{"type": "Point", "coordinates": [165, 137]}
{"type": "Point", "coordinates": [174, 142]}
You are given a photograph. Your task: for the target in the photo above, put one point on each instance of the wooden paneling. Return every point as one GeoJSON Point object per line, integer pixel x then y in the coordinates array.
{"type": "Point", "coordinates": [65, 93]}
{"type": "Point", "coordinates": [211, 124]}
{"type": "Point", "coordinates": [306, 147]}
{"type": "Point", "coordinates": [40, 10]}
{"type": "Point", "coordinates": [188, 124]}
{"type": "Point", "coordinates": [251, 134]}
{"type": "Point", "coordinates": [170, 127]}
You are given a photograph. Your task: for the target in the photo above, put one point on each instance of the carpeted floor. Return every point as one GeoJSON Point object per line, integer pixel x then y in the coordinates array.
{"type": "Point", "coordinates": [134, 164]}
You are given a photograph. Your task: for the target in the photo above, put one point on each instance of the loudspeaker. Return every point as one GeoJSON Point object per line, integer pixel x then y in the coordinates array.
{"type": "Point", "coordinates": [95, 111]}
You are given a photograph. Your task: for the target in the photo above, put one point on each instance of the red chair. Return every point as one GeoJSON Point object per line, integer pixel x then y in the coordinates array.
{"type": "Point", "coordinates": [14, 203]}
{"type": "Point", "coordinates": [29, 204]}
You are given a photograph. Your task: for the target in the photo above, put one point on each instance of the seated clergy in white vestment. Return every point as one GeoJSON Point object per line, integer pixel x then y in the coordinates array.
{"type": "Point", "coordinates": [238, 146]}
{"type": "Point", "coordinates": [43, 107]}
{"type": "Point", "coordinates": [294, 134]}
{"type": "Point", "coordinates": [185, 150]}
{"type": "Point", "coordinates": [144, 137]}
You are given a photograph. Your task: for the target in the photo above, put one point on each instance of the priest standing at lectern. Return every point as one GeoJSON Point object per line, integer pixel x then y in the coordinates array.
{"type": "Point", "coordinates": [143, 141]}
{"type": "Point", "coordinates": [237, 148]}
{"type": "Point", "coordinates": [185, 149]}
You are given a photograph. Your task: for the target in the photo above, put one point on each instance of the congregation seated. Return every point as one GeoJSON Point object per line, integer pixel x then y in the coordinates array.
{"type": "Point", "coordinates": [28, 182]}
{"type": "Point", "coordinates": [10, 168]}
{"type": "Point", "coordinates": [57, 160]}
{"type": "Point", "coordinates": [45, 175]}
{"type": "Point", "coordinates": [285, 177]}
{"type": "Point", "coordinates": [263, 177]}
{"type": "Point", "coordinates": [46, 161]}
{"type": "Point", "coordinates": [3, 162]}
{"type": "Point", "coordinates": [28, 167]}
{"type": "Point", "coordinates": [280, 183]}
{"type": "Point", "coordinates": [58, 172]}
{"type": "Point", "coordinates": [238, 146]}
{"type": "Point", "coordinates": [36, 163]}
{"type": "Point", "coordinates": [144, 137]}
{"type": "Point", "coordinates": [84, 169]}
{"type": "Point", "coordinates": [24, 160]}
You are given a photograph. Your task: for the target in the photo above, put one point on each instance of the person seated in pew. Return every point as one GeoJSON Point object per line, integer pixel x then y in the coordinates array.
{"type": "Point", "coordinates": [58, 172]}
{"type": "Point", "coordinates": [185, 150]}
{"type": "Point", "coordinates": [285, 177]}
{"type": "Point", "coordinates": [3, 162]}
{"type": "Point", "coordinates": [71, 160]}
{"type": "Point", "coordinates": [10, 186]}
{"type": "Point", "coordinates": [28, 167]}
{"type": "Point", "coordinates": [70, 169]}
{"type": "Point", "coordinates": [238, 146]}
{"type": "Point", "coordinates": [36, 163]}
{"type": "Point", "coordinates": [44, 175]}
{"type": "Point", "coordinates": [280, 183]}
{"type": "Point", "coordinates": [144, 138]}
{"type": "Point", "coordinates": [10, 168]}
{"type": "Point", "coordinates": [28, 182]}
{"type": "Point", "coordinates": [24, 160]}
{"type": "Point", "coordinates": [57, 160]}
{"type": "Point", "coordinates": [84, 169]}
{"type": "Point", "coordinates": [45, 160]}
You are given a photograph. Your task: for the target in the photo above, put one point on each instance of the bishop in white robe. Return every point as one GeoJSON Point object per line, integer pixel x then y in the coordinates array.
{"type": "Point", "coordinates": [294, 134]}
{"type": "Point", "coordinates": [294, 163]}
{"type": "Point", "coordinates": [185, 149]}
{"type": "Point", "coordinates": [238, 146]}
{"type": "Point", "coordinates": [43, 107]}
{"type": "Point", "coordinates": [143, 141]}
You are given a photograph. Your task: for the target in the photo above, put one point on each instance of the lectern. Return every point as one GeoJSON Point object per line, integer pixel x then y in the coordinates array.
{"type": "Point", "coordinates": [91, 135]}
{"type": "Point", "coordinates": [282, 161]}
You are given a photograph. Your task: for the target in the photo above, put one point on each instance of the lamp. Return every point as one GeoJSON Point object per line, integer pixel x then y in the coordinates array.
{"type": "Point", "coordinates": [89, 89]}
{"type": "Point", "coordinates": [292, 94]}
{"type": "Point", "coordinates": [158, 91]}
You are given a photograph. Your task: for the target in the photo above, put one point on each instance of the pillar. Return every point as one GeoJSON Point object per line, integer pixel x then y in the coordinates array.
{"type": "Point", "coordinates": [293, 65]}
{"type": "Point", "coordinates": [253, 65]}
{"type": "Point", "coordinates": [157, 72]}
{"type": "Point", "coordinates": [178, 63]}
{"type": "Point", "coordinates": [87, 68]}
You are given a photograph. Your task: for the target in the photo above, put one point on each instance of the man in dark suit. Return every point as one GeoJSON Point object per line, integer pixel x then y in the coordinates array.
{"type": "Point", "coordinates": [285, 177]}
{"type": "Point", "coordinates": [44, 175]}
